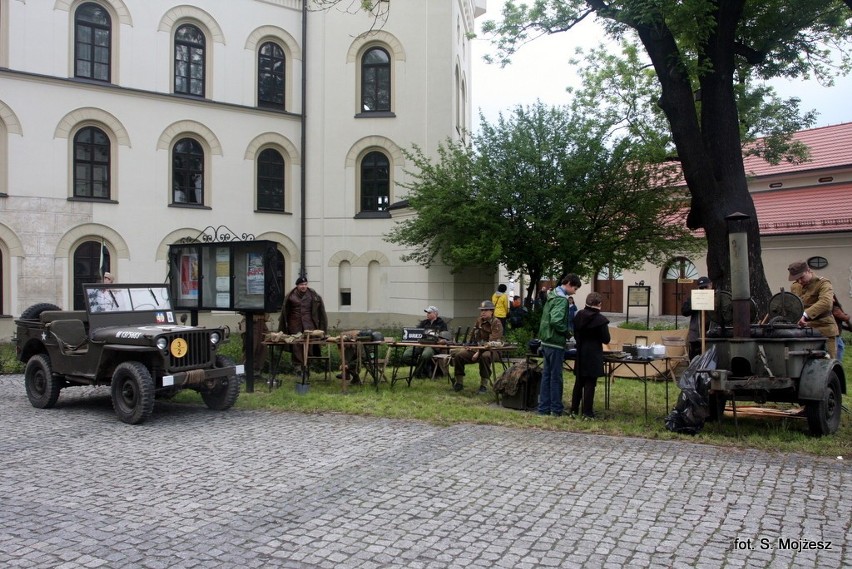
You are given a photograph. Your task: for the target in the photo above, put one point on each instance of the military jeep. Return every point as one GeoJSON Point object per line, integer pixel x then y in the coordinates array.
{"type": "Point", "coordinates": [127, 338]}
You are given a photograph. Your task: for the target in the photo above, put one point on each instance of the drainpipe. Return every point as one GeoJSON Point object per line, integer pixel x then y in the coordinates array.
{"type": "Point", "coordinates": [304, 138]}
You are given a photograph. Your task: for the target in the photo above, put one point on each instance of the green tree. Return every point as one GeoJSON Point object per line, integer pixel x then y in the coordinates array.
{"type": "Point", "coordinates": [705, 54]}
{"type": "Point", "coordinates": [543, 192]}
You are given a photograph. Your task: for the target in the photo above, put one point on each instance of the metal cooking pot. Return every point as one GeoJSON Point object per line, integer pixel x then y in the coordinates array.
{"type": "Point", "coordinates": [644, 352]}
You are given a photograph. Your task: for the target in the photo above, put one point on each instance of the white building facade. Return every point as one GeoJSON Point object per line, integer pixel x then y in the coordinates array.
{"type": "Point", "coordinates": [127, 125]}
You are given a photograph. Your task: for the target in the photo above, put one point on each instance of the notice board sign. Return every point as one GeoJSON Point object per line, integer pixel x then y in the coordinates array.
{"type": "Point", "coordinates": [703, 299]}
{"type": "Point", "coordinates": [638, 296]}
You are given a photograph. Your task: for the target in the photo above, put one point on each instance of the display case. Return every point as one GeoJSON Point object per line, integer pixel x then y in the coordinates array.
{"type": "Point", "coordinates": [243, 276]}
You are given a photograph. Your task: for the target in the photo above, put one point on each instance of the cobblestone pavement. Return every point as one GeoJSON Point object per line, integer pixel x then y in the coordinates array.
{"type": "Point", "coordinates": [197, 488]}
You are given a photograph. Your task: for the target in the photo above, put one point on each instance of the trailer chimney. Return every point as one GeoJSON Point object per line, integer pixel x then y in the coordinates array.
{"type": "Point", "coordinates": [740, 289]}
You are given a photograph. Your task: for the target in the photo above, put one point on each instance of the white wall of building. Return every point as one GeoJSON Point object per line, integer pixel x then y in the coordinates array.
{"type": "Point", "coordinates": [42, 105]}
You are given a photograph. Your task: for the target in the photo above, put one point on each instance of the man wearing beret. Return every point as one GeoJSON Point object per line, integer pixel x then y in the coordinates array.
{"type": "Point", "coordinates": [488, 328]}
{"type": "Point", "coordinates": [817, 296]}
{"type": "Point", "coordinates": [303, 309]}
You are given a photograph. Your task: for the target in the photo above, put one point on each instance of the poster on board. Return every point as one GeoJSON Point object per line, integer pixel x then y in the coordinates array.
{"type": "Point", "coordinates": [189, 276]}
{"type": "Point", "coordinates": [254, 273]}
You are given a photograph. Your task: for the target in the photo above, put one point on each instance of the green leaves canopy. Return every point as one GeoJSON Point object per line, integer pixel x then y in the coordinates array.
{"type": "Point", "coordinates": [704, 54]}
{"type": "Point", "coordinates": [543, 192]}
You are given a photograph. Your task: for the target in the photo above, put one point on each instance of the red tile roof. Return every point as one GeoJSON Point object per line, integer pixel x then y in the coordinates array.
{"type": "Point", "coordinates": [830, 147]}
{"type": "Point", "coordinates": [807, 209]}
{"type": "Point", "coordinates": [815, 209]}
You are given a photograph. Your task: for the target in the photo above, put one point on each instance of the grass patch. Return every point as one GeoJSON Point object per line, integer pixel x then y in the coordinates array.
{"type": "Point", "coordinates": [434, 401]}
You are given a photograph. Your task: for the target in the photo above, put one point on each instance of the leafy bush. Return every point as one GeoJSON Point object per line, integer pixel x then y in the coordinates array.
{"type": "Point", "coordinates": [635, 325]}
{"type": "Point", "coordinates": [521, 337]}
{"type": "Point", "coordinates": [9, 361]}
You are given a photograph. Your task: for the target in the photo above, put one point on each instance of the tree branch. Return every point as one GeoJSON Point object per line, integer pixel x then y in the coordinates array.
{"type": "Point", "coordinates": [752, 56]}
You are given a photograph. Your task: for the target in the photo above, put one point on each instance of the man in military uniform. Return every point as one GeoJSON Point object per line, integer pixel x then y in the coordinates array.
{"type": "Point", "coordinates": [817, 296]}
{"type": "Point", "coordinates": [432, 325]}
{"type": "Point", "coordinates": [486, 329]}
{"type": "Point", "coordinates": [303, 309]}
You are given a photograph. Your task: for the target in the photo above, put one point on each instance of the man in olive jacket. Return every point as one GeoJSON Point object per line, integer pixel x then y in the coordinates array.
{"type": "Point", "coordinates": [817, 296]}
{"type": "Point", "coordinates": [553, 332]}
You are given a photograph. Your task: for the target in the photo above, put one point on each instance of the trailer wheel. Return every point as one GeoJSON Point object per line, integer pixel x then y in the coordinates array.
{"type": "Point", "coordinates": [824, 415]}
{"type": "Point", "coordinates": [224, 395]}
{"type": "Point", "coordinates": [42, 386]}
{"type": "Point", "coordinates": [132, 392]}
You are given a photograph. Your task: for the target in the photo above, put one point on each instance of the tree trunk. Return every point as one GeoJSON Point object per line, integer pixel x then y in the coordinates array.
{"type": "Point", "coordinates": [710, 152]}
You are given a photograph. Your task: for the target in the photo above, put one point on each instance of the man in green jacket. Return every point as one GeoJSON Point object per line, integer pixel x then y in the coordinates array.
{"type": "Point", "coordinates": [553, 332]}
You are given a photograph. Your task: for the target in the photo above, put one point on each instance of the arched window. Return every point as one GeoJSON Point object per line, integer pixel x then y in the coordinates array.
{"type": "Point", "coordinates": [375, 182]}
{"type": "Point", "coordinates": [270, 76]}
{"type": "Point", "coordinates": [189, 60]}
{"type": "Point", "coordinates": [375, 81]}
{"type": "Point", "coordinates": [4, 158]}
{"type": "Point", "coordinates": [91, 164]}
{"type": "Point", "coordinates": [91, 261]}
{"type": "Point", "coordinates": [92, 42]}
{"type": "Point", "coordinates": [188, 172]}
{"type": "Point", "coordinates": [681, 268]}
{"type": "Point", "coordinates": [270, 180]}
{"type": "Point", "coordinates": [344, 283]}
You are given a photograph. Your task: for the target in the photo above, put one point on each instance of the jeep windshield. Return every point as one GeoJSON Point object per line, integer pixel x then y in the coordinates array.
{"type": "Point", "coordinates": [112, 298]}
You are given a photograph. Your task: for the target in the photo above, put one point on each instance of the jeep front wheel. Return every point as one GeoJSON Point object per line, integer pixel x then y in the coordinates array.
{"type": "Point", "coordinates": [225, 394]}
{"type": "Point", "coordinates": [42, 386]}
{"type": "Point", "coordinates": [132, 392]}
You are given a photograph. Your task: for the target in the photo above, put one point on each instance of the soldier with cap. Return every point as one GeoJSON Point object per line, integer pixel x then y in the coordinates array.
{"type": "Point", "coordinates": [817, 296]}
{"type": "Point", "coordinates": [693, 337]}
{"type": "Point", "coordinates": [303, 309]}
{"type": "Point", "coordinates": [432, 324]}
{"type": "Point", "coordinates": [486, 329]}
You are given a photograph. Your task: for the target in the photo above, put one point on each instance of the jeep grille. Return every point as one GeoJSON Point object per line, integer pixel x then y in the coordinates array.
{"type": "Point", "coordinates": [199, 352]}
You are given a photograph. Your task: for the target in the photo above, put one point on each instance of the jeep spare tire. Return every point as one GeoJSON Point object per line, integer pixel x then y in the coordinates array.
{"type": "Point", "coordinates": [34, 311]}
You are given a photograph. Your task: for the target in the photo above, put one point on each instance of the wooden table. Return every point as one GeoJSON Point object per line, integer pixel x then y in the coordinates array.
{"type": "Point", "coordinates": [277, 349]}
{"type": "Point", "coordinates": [415, 365]}
{"type": "Point", "coordinates": [372, 364]}
{"type": "Point", "coordinates": [658, 366]}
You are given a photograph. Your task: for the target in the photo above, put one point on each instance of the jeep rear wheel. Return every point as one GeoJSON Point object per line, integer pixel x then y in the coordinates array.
{"type": "Point", "coordinates": [824, 415]}
{"type": "Point", "coordinates": [225, 394]}
{"type": "Point", "coordinates": [132, 392]}
{"type": "Point", "coordinates": [42, 386]}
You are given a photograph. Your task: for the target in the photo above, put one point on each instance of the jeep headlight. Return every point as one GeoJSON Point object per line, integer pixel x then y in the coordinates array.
{"type": "Point", "coordinates": [162, 344]}
{"type": "Point", "coordinates": [214, 338]}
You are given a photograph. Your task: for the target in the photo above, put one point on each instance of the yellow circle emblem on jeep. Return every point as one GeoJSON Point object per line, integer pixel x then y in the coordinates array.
{"type": "Point", "coordinates": [178, 348]}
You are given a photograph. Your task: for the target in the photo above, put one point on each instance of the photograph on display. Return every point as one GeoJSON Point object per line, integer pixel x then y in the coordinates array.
{"type": "Point", "coordinates": [189, 276]}
{"type": "Point", "coordinates": [254, 273]}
